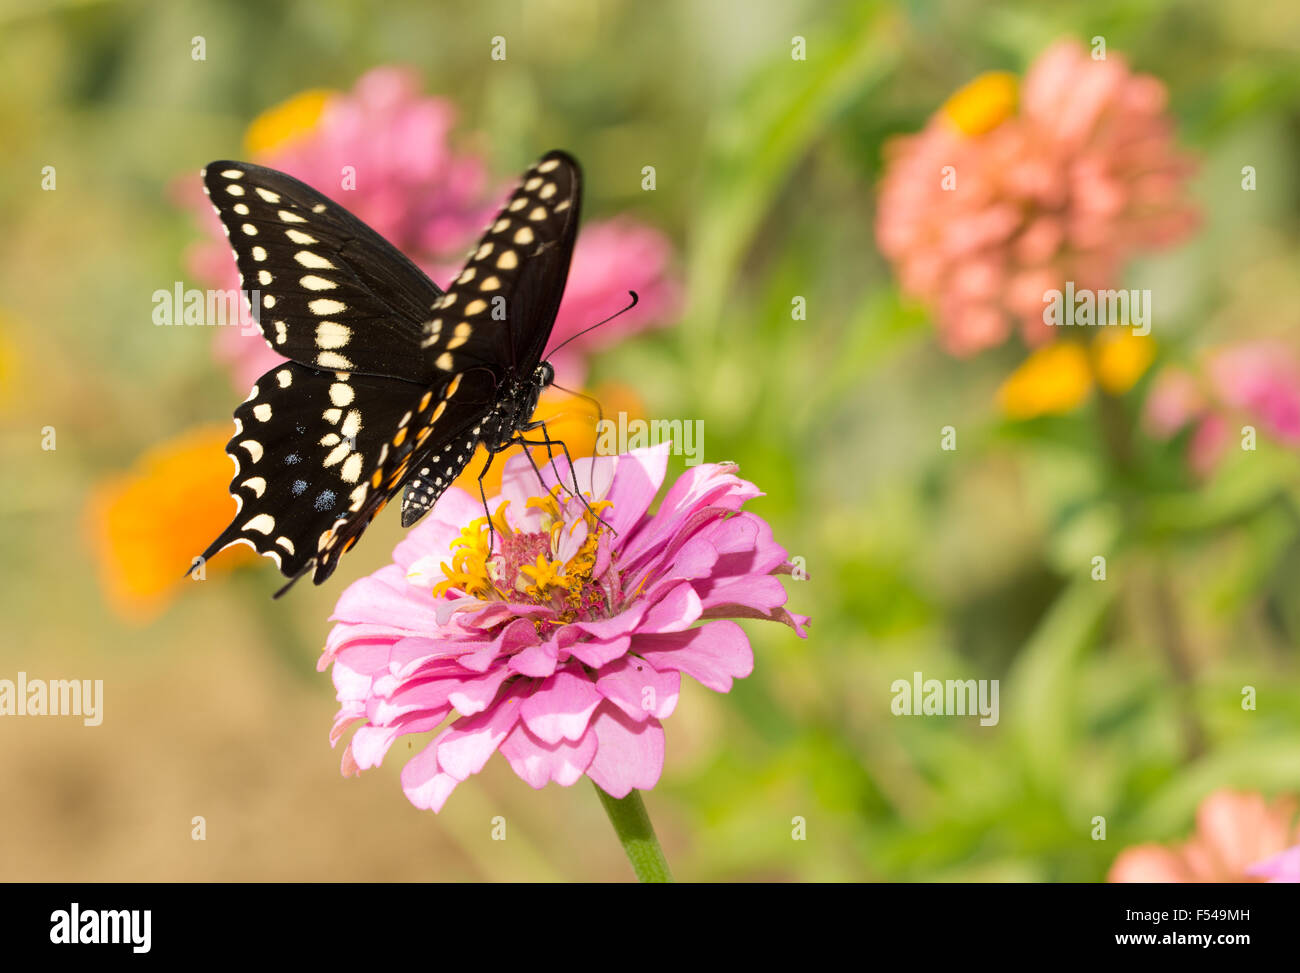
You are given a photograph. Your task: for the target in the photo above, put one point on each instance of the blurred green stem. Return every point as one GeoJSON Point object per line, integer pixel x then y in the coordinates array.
{"type": "Point", "coordinates": [1116, 428]}
{"type": "Point", "coordinates": [1170, 633]}
{"type": "Point", "coordinates": [634, 830]}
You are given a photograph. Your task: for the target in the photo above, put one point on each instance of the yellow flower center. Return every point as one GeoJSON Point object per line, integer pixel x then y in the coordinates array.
{"type": "Point", "coordinates": [983, 104]}
{"type": "Point", "coordinates": [525, 566]}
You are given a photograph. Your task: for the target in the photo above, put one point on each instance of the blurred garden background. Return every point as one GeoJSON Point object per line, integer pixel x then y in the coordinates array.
{"type": "Point", "coordinates": [832, 313]}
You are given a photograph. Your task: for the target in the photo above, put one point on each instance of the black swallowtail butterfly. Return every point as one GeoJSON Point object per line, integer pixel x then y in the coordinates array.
{"type": "Point", "coordinates": [390, 381]}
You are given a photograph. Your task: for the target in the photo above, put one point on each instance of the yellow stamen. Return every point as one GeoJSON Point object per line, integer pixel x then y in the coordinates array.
{"type": "Point", "coordinates": [568, 586]}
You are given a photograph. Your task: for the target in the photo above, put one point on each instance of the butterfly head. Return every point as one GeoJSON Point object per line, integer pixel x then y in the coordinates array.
{"type": "Point", "coordinates": [543, 375]}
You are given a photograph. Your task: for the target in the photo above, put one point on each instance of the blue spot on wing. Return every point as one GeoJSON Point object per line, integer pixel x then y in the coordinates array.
{"type": "Point", "coordinates": [325, 500]}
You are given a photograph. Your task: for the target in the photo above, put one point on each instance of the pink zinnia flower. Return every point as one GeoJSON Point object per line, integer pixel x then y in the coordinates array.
{"type": "Point", "coordinates": [1256, 382]}
{"type": "Point", "coordinates": [562, 648]}
{"type": "Point", "coordinates": [1234, 832]}
{"type": "Point", "coordinates": [431, 201]}
{"type": "Point", "coordinates": [987, 209]}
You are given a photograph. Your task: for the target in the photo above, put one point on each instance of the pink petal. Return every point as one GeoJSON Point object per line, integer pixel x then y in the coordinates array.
{"type": "Point", "coordinates": [383, 596]}
{"type": "Point", "coordinates": [677, 610]}
{"type": "Point", "coordinates": [703, 486]}
{"type": "Point", "coordinates": [537, 661]}
{"type": "Point", "coordinates": [471, 696]}
{"type": "Point", "coordinates": [712, 654]}
{"type": "Point", "coordinates": [796, 622]}
{"type": "Point", "coordinates": [762, 592]}
{"type": "Point", "coordinates": [561, 708]}
{"type": "Point", "coordinates": [600, 652]}
{"type": "Point", "coordinates": [629, 754]}
{"type": "Point", "coordinates": [465, 746]}
{"type": "Point", "coordinates": [538, 762]}
{"type": "Point", "coordinates": [611, 628]}
{"type": "Point", "coordinates": [423, 783]}
{"type": "Point", "coordinates": [347, 633]}
{"type": "Point", "coordinates": [637, 479]}
{"type": "Point", "coordinates": [370, 744]}
{"type": "Point", "coordinates": [517, 635]}
{"type": "Point", "coordinates": [1282, 867]}
{"type": "Point", "coordinates": [640, 690]}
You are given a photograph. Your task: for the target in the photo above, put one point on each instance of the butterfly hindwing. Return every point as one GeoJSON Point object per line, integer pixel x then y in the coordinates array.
{"type": "Point", "coordinates": [317, 455]}
{"type": "Point", "coordinates": [436, 472]}
{"type": "Point", "coordinates": [327, 291]}
{"type": "Point", "coordinates": [499, 311]}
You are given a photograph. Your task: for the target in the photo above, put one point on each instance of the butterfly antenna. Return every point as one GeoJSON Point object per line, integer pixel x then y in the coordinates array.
{"type": "Point", "coordinates": [635, 300]}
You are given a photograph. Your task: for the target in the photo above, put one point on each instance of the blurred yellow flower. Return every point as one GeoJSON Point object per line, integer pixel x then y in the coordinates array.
{"type": "Point", "coordinates": [1120, 358]}
{"type": "Point", "coordinates": [567, 417]}
{"type": "Point", "coordinates": [147, 525]}
{"type": "Point", "coordinates": [983, 104]}
{"type": "Point", "coordinates": [286, 121]}
{"type": "Point", "coordinates": [1053, 380]}
{"type": "Point", "coordinates": [8, 360]}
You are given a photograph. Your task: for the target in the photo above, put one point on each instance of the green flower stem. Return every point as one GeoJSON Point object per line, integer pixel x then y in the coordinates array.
{"type": "Point", "coordinates": [632, 824]}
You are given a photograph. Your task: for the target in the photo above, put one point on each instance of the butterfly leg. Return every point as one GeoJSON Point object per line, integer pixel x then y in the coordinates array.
{"type": "Point", "coordinates": [528, 452]}
{"type": "Point", "coordinates": [548, 442]}
{"type": "Point", "coordinates": [482, 492]}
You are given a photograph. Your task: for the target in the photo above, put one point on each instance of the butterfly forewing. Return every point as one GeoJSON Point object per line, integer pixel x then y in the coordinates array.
{"type": "Point", "coordinates": [328, 291]}
{"type": "Point", "coordinates": [499, 311]}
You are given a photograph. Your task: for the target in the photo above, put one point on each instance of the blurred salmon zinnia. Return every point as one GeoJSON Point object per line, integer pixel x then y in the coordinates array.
{"type": "Point", "coordinates": [557, 633]}
{"type": "Point", "coordinates": [1008, 194]}
{"type": "Point", "coordinates": [1240, 837]}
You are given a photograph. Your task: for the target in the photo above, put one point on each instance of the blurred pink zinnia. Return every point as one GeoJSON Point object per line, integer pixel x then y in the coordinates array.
{"type": "Point", "coordinates": [562, 644]}
{"type": "Point", "coordinates": [1282, 867]}
{"type": "Point", "coordinates": [1255, 382]}
{"type": "Point", "coordinates": [610, 258]}
{"type": "Point", "coordinates": [987, 208]}
{"type": "Point", "coordinates": [1234, 833]}
{"type": "Point", "coordinates": [383, 150]}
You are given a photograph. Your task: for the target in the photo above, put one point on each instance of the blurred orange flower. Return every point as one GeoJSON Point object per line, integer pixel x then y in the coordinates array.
{"type": "Point", "coordinates": [1233, 832]}
{"type": "Point", "coordinates": [148, 524]}
{"type": "Point", "coordinates": [568, 417]}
